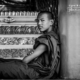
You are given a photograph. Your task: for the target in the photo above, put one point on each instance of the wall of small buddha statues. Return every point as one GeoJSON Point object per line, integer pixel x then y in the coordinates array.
{"type": "Point", "coordinates": [18, 28]}
{"type": "Point", "coordinates": [18, 31]}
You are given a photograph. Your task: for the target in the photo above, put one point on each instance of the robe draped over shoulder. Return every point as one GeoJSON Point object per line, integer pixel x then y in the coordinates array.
{"type": "Point", "coordinates": [47, 62]}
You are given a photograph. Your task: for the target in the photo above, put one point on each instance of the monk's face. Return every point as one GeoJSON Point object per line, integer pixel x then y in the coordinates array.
{"type": "Point", "coordinates": [44, 22]}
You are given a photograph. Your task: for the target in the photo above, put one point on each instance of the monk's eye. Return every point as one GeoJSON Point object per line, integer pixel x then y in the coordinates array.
{"type": "Point", "coordinates": [42, 20]}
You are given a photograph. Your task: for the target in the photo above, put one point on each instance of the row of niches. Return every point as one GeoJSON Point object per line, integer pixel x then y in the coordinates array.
{"type": "Point", "coordinates": [18, 13]}
{"type": "Point", "coordinates": [17, 40]}
{"type": "Point", "coordinates": [14, 53]}
{"type": "Point", "coordinates": [19, 30]}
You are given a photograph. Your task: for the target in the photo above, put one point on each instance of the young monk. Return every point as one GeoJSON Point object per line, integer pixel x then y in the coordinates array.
{"type": "Point", "coordinates": [45, 59]}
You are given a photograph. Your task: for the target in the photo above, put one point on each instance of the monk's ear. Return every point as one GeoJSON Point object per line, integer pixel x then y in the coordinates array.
{"type": "Point", "coordinates": [52, 21]}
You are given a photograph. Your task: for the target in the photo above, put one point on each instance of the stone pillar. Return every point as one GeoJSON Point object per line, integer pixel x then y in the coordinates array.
{"type": "Point", "coordinates": [69, 26]}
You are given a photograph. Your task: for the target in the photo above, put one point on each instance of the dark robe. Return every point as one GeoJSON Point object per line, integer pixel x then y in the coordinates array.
{"type": "Point", "coordinates": [44, 66]}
